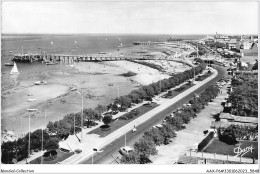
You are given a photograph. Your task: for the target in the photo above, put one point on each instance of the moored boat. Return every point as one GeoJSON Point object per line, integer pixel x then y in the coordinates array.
{"type": "Point", "coordinates": [52, 63]}
{"type": "Point", "coordinates": [9, 64]}
{"type": "Point", "coordinates": [40, 83]}
{"type": "Point", "coordinates": [73, 89]}
{"type": "Point", "coordinates": [14, 70]}
{"type": "Point", "coordinates": [111, 84]}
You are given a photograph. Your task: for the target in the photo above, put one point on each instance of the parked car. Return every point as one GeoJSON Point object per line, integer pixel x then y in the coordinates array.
{"type": "Point", "coordinates": [125, 150]}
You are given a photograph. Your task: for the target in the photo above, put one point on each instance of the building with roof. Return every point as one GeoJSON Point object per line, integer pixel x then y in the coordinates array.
{"type": "Point", "coordinates": [232, 44]}
{"type": "Point", "coordinates": [229, 119]}
{"type": "Point", "coordinates": [221, 38]}
{"type": "Point", "coordinates": [248, 46]}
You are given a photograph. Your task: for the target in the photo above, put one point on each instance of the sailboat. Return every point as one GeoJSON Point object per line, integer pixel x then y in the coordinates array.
{"type": "Point", "coordinates": [14, 70]}
{"type": "Point", "coordinates": [121, 45]}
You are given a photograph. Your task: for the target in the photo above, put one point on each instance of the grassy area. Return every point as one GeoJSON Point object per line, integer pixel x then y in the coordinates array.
{"type": "Point", "coordinates": [61, 156]}
{"type": "Point", "coordinates": [203, 77]}
{"type": "Point", "coordinates": [219, 147]}
{"type": "Point", "coordinates": [174, 93]}
{"type": "Point", "coordinates": [119, 123]}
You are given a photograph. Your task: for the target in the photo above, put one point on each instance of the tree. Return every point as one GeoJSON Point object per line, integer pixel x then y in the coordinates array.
{"type": "Point", "coordinates": [59, 128]}
{"type": "Point", "coordinates": [149, 91]}
{"type": "Point", "coordinates": [176, 122]}
{"type": "Point", "coordinates": [167, 131]}
{"type": "Point", "coordinates": [155, 135]}
{"type": "Point", "coordinates": [255, 67]}
{"type": "Point", "coordinates": [90, 115]}
{"type": "Point", "coordinates": [131, 158]}
{"type": "Point", "coordinates": [69, 118]}
{"type": "Point", "coordinates": [134, 96]}
{"type": "Point", "coordinates": [220, 45]}
{"type": "Point", "coordinates": [228, 136]}
{"type": "Point", "coordinates": [107, 120]}
{"type": "Point", "coordinates": [52, 144]}
{"type": "Point", "coordinates": [124, 102]}
{"type": "Point", "coordinates": [101, 108]}
{"type": "Point", "coordinates": [144, 148]}
{"type": "Point", "coordinates": [36, 138]}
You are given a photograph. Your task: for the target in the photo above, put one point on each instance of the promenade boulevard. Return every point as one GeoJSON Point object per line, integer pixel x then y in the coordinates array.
{"type": "Point", "coordinates": [94, 141]}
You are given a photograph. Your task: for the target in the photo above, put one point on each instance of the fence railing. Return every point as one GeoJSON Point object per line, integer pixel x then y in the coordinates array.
{"type": "Point", "coordinates": [221, 157]}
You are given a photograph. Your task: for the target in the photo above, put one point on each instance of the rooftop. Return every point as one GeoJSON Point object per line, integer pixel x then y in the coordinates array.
{"type": "Point", "coordinates": [238, 118]}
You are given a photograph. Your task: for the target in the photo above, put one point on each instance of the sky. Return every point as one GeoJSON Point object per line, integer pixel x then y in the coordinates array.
{"type": "Point", "coordinates": [130, 17]}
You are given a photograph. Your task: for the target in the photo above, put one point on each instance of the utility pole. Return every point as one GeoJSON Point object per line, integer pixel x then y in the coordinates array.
{"type": "Point", "coordinates": [117, 91]}
{"type": "Point", "coordinates": [81, 118]}
{"type": "Point", "coordinates": [42, 132]}
{"type": "Point", "coordinates": [29, 137]}
{"type": "Point", "coordinates": [125, 139]}
{"type": "Point", "coordinates": [21, 126]}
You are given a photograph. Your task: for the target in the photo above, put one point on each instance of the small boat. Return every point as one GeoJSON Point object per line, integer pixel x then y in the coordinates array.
{"type": "Point", "coordinates": [121, 45]}
{"type": "Point", "coordinates": [40, 83]}
{"type": "Point", "coordinates": [52, 63]}
{"type": "Point", "coordinates": [14, 70]}
{"type": "Point", "coordinates": [111, 84]}
{"type": "Point", "coordinates": [73, 89]}
{"type": "Point", "coordinates": [10, 52]}
{"type": "Point", "coordinates": [9, 64]}
{"type": "Point", "coordinates": [32, 110]}
{"type": "Point", "coordinates": [46, 61]}
{"type": "Point", "coordinates": [102, 53]}
{"type": "Point", "coordinates": [31, 99]}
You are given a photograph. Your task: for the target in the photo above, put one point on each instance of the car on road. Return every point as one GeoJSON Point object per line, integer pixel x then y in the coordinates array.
{"type": "Point", "coordinates": [158, 126]}
{"type": "Point", "coordinates": [125, 150]}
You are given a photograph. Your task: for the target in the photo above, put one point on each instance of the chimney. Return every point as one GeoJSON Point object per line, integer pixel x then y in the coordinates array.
{"type": "Point", "coordinates": [241, 38]}
{"type": "Point", "coordinates": [251, 38]}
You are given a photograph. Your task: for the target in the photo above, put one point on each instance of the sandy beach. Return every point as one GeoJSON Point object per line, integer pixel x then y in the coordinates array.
{"type": "Point", "coordinates": [93, 78]}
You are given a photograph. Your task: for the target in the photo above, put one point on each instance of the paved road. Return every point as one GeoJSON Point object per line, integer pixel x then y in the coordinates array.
{"type": "Point", "coordinates": [112, 148]}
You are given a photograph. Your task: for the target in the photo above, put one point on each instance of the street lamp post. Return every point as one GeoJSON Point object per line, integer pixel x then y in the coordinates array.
{"type": "Point", "coordinates": [125, 139]}
{"type": "Point", "coordinates": [30, 110]}
{"type": "Point", "coordinates": [117, 91]}
{"type": "Point", "coordinates": [74, 122]}
{"type": "Point", "coordinates": [82, 95]}
{"type": "Point", "coordinates": [42, 135]}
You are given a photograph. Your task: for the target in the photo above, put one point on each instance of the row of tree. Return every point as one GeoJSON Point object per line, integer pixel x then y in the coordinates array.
{"type": "Point", "coordinates": [146, 145]}
{"type": "Point", "coordinates": [18, 149]}
{"type": "Point", "coordinates": [54, 132]}
{"type": "Point", "coordinates": [233, 133]}
{"type": "Point", "coordinates": [244, 96]}
{"type": "Point", "coordinates": [61, 129]}
{"type": "Point", "coordinates": [201, 49]}
{"type": "Point", "coordinates": [149, 91]}
{"type": "Point", "coordinates": [151, 65]}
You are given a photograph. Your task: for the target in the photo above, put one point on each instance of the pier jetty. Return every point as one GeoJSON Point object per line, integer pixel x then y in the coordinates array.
{"type": "Point", "coordinates": [67, 58]}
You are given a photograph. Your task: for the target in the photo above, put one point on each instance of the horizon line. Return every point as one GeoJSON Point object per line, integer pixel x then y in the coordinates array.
{"type": "Point", "coordinates": [127, 33]}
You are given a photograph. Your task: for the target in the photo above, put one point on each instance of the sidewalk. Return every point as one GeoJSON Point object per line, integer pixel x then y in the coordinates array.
{"type": "Point", "coordinates": [32, 157]}
{"type": "Point", "coordinates": [96, 142]}
{"type": "Point", "coordinates": [192, 134]}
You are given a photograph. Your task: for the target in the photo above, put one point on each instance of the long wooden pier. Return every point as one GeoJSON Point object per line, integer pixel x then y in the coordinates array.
{"type": "Point", "coordinates": [65, 58]}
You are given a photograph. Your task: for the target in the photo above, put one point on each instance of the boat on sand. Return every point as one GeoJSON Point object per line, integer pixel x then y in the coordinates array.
{"type": "Point", "coordinates": [52, 63]}
{"type": "Point", "coordinates": [40, 82]}
{"type": "Point", "coordinates": [9, 64]}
